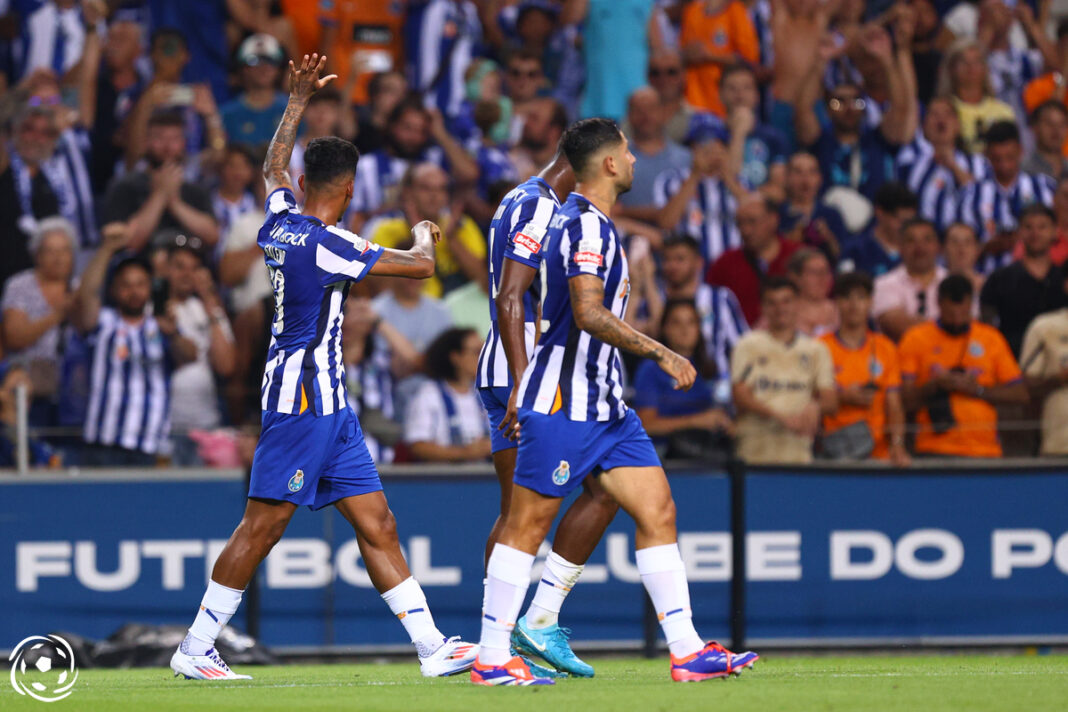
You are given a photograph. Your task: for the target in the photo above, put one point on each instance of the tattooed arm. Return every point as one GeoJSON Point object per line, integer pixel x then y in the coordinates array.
{"type": "Point", "coordinates": [587, 304]}
{"type": "Point", "coordinates": [303, 83]}
{"type": "Point", "coordinates": [416, 263]}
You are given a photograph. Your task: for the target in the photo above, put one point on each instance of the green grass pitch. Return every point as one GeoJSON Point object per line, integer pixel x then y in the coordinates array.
{"type": "Point", "coordinates": [971, 683]}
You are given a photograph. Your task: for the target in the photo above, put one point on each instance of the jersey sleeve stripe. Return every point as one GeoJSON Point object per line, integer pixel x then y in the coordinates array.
{"type": "Point", "coordinates": [334, 264]}
{"type": "Point", "coordinates": [281, 200]}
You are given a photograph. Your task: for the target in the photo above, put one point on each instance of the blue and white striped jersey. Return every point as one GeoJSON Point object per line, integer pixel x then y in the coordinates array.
{"type": "Point", "coordinates": [442, 38]}
{"type": "Point", "coordinates": [935, 185]}
{"type": "Point", "coordinates": [991, 208]}
{"type": "Point", "coordinates": [378, 174]}
{"type": "Point", "coordinates": [311, 266]}
{"type": "Point", "coordinates": [517, 231]}
{"type": "Point", "coordinates": [129, 384]}
{"type": "Point", "coordinates": [722, 324]}
{"type": "Point", "coordinates": [709, 216]}
{"type": "Point", "coordinates": [571, 370]}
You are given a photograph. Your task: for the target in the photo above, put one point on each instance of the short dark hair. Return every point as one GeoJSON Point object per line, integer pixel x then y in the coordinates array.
{"type": "Point", "coordinates": [586, 138]}
{"type": "Point", "coordinates": [1036, 208]}
{"type": "Point", "coordinates": [736, 68]}
{"type": "Point", "coordinates": [412, 102]}
{"type": "Point", "coordinates": [438, 364]}
{"type": "Point", "coordinates": [125, 262]}
{"type": "Point", "coordinates": [167, 33]}
{"type": "Point", "coordinates": [1048, 105]}
{"type": "Point", "coordinates": [243, 150]}
{"type": "Point", "coordinates": [920, 222]}
{"type": "Point", "coordinates": [955, 288]}
{"type": "Point", "coordinates": [328, 158]}
{"type": "Point", "coordinates": [795, 265]}
{"type": "Point", "coordinates": [894, 196]}
{"type": "Point", "coordinates": [167, 117]}
{"type": "Point", "coordinates": [775, 283]}
{"type": "Point", "coordinates": [681, 239]}
{"type": "Point", "coordinates": [559, 118]}
{"type": "Point", "coordinates": [846, 284]}
{"type": "Point", "coordinates": [1002, 132]}
{"type": "Point", "coordinates": [523, 54]}
{"type": "Point", "coordinates": [185, 247]}
{"type": "Point", "coordinates": [959, 224]}
{"type": "Point", "coordinates": [327, 95]}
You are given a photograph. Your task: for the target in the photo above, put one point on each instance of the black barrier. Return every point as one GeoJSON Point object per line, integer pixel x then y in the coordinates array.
{"type": "Point", "coordinates": [736, 473]}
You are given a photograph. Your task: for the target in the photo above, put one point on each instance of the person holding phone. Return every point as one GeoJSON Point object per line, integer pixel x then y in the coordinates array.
{"type": "Point", "coordinates": [870, 421]}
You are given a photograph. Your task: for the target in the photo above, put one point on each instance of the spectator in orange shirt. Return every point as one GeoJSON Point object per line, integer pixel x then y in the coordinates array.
{"type": "Point", "coordinates": [715, 34]}
{"type": "Point", "coordinates": [955, 371]}
{"type": "Point", "coordinates": [867, 377]}
{"type": "Point", "coordinates": [362, 38]}
{"type": "Point", "coordinates": [1050, 86]}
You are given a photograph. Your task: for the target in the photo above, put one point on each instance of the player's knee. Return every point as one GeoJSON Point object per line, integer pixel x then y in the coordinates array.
{"type": "Point", "coordinates": [265, 532]}
{"type": "Point", "coordinates": [382, 530]}
{"type": "Point", "coordinates": [659, 518]}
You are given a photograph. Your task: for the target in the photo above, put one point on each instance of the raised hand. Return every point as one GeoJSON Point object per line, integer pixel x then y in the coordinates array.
{"type": "Point", "coordinates": [305, 80]}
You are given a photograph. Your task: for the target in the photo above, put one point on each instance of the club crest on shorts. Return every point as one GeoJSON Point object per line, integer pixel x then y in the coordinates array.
{"type": "Point", "coordinates": [562, 473]}
{"type": "Point", "coordinates": [296, 481]}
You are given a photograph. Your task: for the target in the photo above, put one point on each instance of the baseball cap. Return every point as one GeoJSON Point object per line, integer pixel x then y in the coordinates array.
{"type": "Point", "coordinates": [546, 6]}
{"type": "Point", "coordinates": [259, 48]}
{"type": "Point", "coordinates": [705, 127]}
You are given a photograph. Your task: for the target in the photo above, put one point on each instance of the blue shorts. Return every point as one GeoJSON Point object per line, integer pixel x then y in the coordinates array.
{"type": "Point", "coordinates": [556, 454]}
{"type": "Point", "coordinates": [312, 460]}
{"type": "Point", "coordinates": [495, 401]}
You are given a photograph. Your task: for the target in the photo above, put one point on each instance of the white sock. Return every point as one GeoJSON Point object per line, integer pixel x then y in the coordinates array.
{"type": "Point", "coordinates": [408, 603]}
{"type": "Point", "coordinates": [557, 580]}
{"type": "Point", "coordinates": [216, 608]}
{"type": "Point", "coordinates": [507, 580]}
{"type": "Point", "coordinates": [664, 577]}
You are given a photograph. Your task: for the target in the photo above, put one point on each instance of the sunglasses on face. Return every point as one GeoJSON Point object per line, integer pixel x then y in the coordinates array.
{"type": "Point", "coordinates": [657, 72]}
{"type": "Point", "coordinates": [857, 104]}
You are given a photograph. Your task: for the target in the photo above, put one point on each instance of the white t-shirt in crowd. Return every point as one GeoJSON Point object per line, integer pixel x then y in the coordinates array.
{"type": "Point", "coordinates": [426, 418]}
{"type": "Point", "coordinates": [194, 402]}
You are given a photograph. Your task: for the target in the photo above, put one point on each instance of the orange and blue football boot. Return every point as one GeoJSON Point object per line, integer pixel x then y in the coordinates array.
{"type": "Point", "coordinates": [513, 672]}
{"type": "Point", "coordinates": [710, 662]}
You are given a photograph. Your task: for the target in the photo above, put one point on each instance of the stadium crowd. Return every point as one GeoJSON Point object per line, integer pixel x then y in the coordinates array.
{"type": "Point", "coordinates": [852, 216]}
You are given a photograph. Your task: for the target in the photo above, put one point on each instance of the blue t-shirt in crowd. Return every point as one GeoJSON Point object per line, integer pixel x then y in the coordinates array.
{"type": "Point", "coordinates": [252, 126]}
{"type": "Point", "coordinates": [788, 220]}
{"type": "Point", "coordinates": [866, 254]}
{"type": "Point", "coordinates": [764, 147]}
{"type": "Point", "coordinates": [655, 389]}
{"type": "Point", "coordinates": [864, 166]}
{"type": "Point", "coordinates": [616, 50]}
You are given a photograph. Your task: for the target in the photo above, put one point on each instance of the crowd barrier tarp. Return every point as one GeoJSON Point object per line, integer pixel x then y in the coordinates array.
{"type": "Point", "coordinates": [861, 556]}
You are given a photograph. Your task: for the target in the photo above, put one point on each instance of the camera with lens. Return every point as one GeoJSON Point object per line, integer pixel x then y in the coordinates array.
{"type": "Point", "coordinates": [940, 409]}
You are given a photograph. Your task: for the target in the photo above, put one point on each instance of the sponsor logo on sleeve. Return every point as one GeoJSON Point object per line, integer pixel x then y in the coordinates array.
{"type": "Point", "coordinates": [589, 258]}
{"type": "Point", "coordinates": [527, 243]}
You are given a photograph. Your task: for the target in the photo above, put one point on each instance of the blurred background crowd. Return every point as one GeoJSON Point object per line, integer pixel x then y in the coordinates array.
{"type": "Point", "coordinates": [851, 215]}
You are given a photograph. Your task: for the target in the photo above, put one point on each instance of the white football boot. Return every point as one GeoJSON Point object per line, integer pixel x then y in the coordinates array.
{"type": "Point", "coordinates": [208, 666]}
{"type": "Point", "coordinates": [454, 656]}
